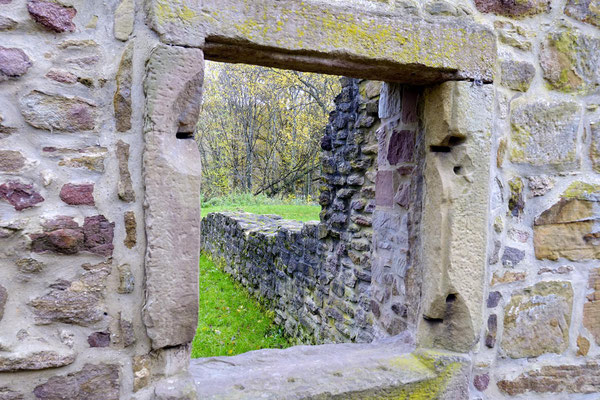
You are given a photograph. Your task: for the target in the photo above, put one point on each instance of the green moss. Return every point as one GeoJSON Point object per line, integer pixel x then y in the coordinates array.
{"type": "Point", "coordinates": [581, 190]}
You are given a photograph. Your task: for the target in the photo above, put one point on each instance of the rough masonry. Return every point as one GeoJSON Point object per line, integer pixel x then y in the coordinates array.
{"type": "Point", "coordinates": [99, 215]}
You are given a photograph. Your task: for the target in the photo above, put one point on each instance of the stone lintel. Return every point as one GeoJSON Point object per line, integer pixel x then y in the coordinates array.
{"type": "Point", "coordinates": [335, 39]}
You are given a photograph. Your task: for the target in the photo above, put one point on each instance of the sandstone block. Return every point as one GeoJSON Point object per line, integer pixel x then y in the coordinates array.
{"type": "Point", "coordinates": [78, 302]}
{"type": "Point", "coordinates": [514, 9]}
{"type": "Point", "coordinates": [570, 59]}
{"type": "Point", "coordinates": [7, 24]}
{"type": "Point", "coordinates": [90, 158]}
{"type": "Point", "coordinates": [567, 229]}
{"type": "Point", "coordinates": [122, 99]}
{"type": "Point", "coordinates": [61, 76]}
{"type": "Point", "coordinates": [141, 372]}
{"type": "Point", "coordinates": [517, 75]}
{"type": "Point", "coordinates": [591, 308]}
{"type": "Point", "coordinates": [52, 15]}
{"type": "Point", "coordinates": [387, 185]}
{"type": "Point", "coordinates": [537, 321]}
{"type": "Point", "coordinates": [126, 279]}
{"type": "Point", "coordinates": [124, 19]}
{"type": "Point", "coordinates": [584, 10]}
{"type": "Point", "coordinates": [11, 161]}
{"type": "Point", "coordinates": [555, 379]}
{"type": "Point", "coordinates": [58, 113]}
{"type": "Point", "coordinates": [78, 195]}
{"type": "Point", "coordinates": [93, 382]}
{"type": "Point", "coordinates": [21, 196]}
{"type": "Point", "coordinates": [513, 35]}
{"type": "Point", "coordinates": [3, 299]}
{"type": "Point", "coordinates": [125, 185]}
{"type": "Point", "coordinates": [130, 230]}
{"type": "Point", "coordinates": [516, 202]}
{"type": "Point", "coordinates": [545, 134]}
{"type": "Point", "coordinates": [13, 63]}
{"type": "Point", "coordinates": [35, 360]}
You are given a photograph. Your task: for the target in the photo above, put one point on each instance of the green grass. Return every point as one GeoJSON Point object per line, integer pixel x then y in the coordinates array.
{"type": "Point", "coordinates": [290, 209]}
{"type": "Point", "coordinates": [230, 322]}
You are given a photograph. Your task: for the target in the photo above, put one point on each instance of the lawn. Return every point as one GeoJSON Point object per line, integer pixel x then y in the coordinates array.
{"type": "Point", "coordinates": [295, 209]}
{"type": "Point", "coordinates": [230, 322]}
{"type": "Point", "coordinates": [288, 211]}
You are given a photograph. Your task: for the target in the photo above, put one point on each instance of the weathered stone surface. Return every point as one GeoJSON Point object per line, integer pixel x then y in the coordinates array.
{"type": "Point", "coordinates": [513, 8]}
{"type": "Point", "coordinates": [591, 308]}
{"type": "Point", "coordinates": [516, 202]}
{"type": "Point", "coordinates": [125, 185]}
{"type": "Point", "coordinates": [78, 302]}
{"type": "Point", "coordinates": [493, 299]}
{"type": "Point", "coordinates": [517, 75]}
{"type": "Point", "coordinates": [78, 195]}
{"type": "Point", "coordinates": [11, 161]}
{"type": "Point", "coordinates": [30, 266]}
{"type": "Point", "coordinates": [500, 278]}
{"type": "Point", "coordinates": [512, 257]}
{"type": "Point", "coordinates": [126, 279]}
{"type": "Point", "coordinates": [124, 19]}
{"type": "Point", "coordinates": [99, 339]}
{"type": "Point", "coordinates": [141, 372]}
{"type": "Point", "coordinates": [540, 185]}
{"type": "Point", "coordinates": [455, 214]}
{"type": "Point", "coordinates": [13, 63]}
{"type": "Point", "coordinates": [6, 393]}
{"type": "Point", "coordinates": [130, 229]}
{"type": "Point", "coordinates": [93, 382]}
{"type": "Point", "coordinates": [172, 181]}
{"type": "Point", "coordinates": [401, 147]}
{"type": "Point", "coordinates": [492, 331]}
{"type": "Point", "coordinates": [386, 187]}
{"type": "Point", "coordinates": [90, 158]}
{"type": "Point", "coordinates": [58, 113]}
{"type": "Point", "coordinates": [481, 382]}
{"type": "Point", "coordinates": [35, 360]}
{"type": "Point", "coordinates": [95, 236]}
{"type": "Point", "coordinates": [583, 346]}
{"type": "Point", "coordinates": [584, 10]}
{"type": "Point", "coordinates": [545, 134]}
{"type": "Point", "coordinates": [555, 379]}
{"type": "Point", "coordinates": [537, 321]}
{"type": "Point", "coordinates": [127, 332]}
{"type": "Point", "coordinates": [567, 229]}
{"type": "Point", "coordinates": [21, 196]}
{"type": "Point", "coordinates": [513, 35]}
{"type": "Point", "coordinates": [122, 99]}
{"type": "Point", "coordinates": [52, 15]}
{"type": "Point", "coordinates": [179, 387]}
{"type": "Point", "coordinates": [336, 371]}
{"type": "Point", "coordinates": [61, 76]}
{"type": "Point", "coordinates": [3, 299]}
{"type": "Point", "coordinates": [7, 24]}
{"type": "Point", "coordinates": [354, 34]}
{"type": "Point", "coordinates": [570, 59]}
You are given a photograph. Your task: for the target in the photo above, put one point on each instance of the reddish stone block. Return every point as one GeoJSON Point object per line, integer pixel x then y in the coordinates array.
{"type": "Point", "coordinates": [385, 188]}
{"type": "Point", "coordinates": [410, 99]}
{"type": "Point", "coordinates": [13, 63]}
{"type": "Point", "coordinates": [402, 197]}
{"type": "Point", "coordinates": [99, 234]}
{"type": "Point", "coordinates": [78, 195]}
{"type": "Point", "coordinates": [481, 382]}
{"type": "Point", "coordinates": [19, 195]}
{"type": "Point", "coordinates": [63, 241]}
{"type": "Point", "coordinates": [401, 147]}
{"type": "Point", "coordinates": [52, 15]}
{"type": "Point", "coordinates": [99, 339]}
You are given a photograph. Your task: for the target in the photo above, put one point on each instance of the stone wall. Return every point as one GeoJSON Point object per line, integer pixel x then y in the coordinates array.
{"type": "Point", "coordinates": [99, 219]}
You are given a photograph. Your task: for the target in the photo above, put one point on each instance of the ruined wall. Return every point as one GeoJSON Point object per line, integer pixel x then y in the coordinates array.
{"type": "Point", "coordinates": [72, 242]}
